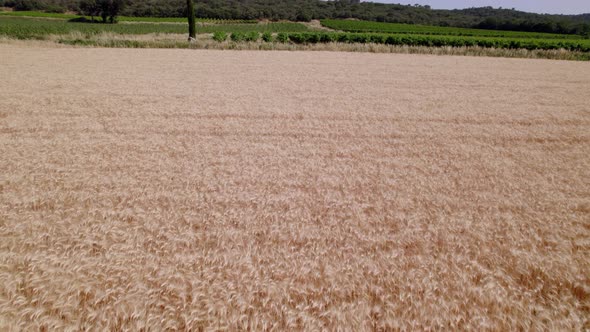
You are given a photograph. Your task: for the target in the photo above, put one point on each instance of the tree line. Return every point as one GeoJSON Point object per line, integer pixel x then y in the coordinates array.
{"type": "Point", "coordinates": [305, 10]}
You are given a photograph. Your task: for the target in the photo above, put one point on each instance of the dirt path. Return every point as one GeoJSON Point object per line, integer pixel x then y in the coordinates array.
{"type": "Point", "coordinates": [182, 189]}
{"type": "Point", "coordinates": [317, 25]}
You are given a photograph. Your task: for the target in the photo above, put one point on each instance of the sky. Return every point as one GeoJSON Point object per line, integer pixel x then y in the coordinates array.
{"type": "Point", "coordinates": [534, 6]}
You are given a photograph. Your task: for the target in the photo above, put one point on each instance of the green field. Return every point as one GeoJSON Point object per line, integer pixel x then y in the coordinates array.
{"type": "Point", "coordinates": [579, 45]}
{"type": "Point", "coordinates": [30, 28]}
{"type": "Point", "coordinates": [123, 18]}
{"type": "Point", "coordinates": [296, 33]}
{"type": "Point", "coordinates": [379, 27]}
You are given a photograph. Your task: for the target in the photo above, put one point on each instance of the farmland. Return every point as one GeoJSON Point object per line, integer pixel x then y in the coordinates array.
{"type": "Point", "coordinates": [582, 45]}
{"type": "Point", "coordinates": [224, 190]}
{"type": "Point", "coordinates": [269, 35]}
{"type": "Point", "coordinates": [36, 14]}
{"type": "Point", "coordinates": [366, 26]}
{"type": "Point", "coordinates": [27, 28]}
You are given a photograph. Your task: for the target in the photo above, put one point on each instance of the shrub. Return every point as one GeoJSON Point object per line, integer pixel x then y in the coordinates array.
{"type": "Point", "coordinates": [267, 37]}
{"type": "Point", "coordinates": [304, 15]}
{"type": "Point", "coordinates": [251, 36]}
{"type": "Point", "coordinates": [220, 36]}
{"type": "Point", "coordinates": [282, 37]}
{"type": "Point", "coordinates": [313, 38]}
{"type": "Point", "coordinates": [297, 38]}
{"type": "Point", "coordinates": [392, 40]}
{"type": "Point", "coordinates": [237, 36]}
{"type": "Point", "coordinates": [514, 44]}
{"type": "Point", "coordinates": [326, 37]}
{"type": "Point", "coordinates": [439, 42]}
{"type": "Point", "coordinates": [342, 38]}
{"type": "Point", "coordinates": [378, 39]}
{"type": "Point", "coordinates": [359, 38]}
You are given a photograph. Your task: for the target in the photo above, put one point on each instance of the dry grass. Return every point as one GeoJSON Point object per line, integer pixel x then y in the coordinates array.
{"type": "Point", "coordinates": [221, 190]}
{"type": "Point", "coordinates": [160, 40]}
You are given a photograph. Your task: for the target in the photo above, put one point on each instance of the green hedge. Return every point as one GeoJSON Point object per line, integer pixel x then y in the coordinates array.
{"type": "Point", "coordinates": [390, 28]}
{"type": "Point", "coordinates": [581, 45]}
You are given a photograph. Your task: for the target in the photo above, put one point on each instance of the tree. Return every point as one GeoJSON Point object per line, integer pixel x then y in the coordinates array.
{"type": "Point", "coordinates": [103, 5]}
{"type": "Point", "coordinates": [29, 5]}
{"type": "Point", "coordinates": [304, 15]}
{"type": "Point", "coordinates": [115, 8]}
{"type": "Point", "coordinates": [107, 9]}
{"type": "Point", "coordinates": [90, 8]}
{"type": "Point", "coordinates": [192, 31]}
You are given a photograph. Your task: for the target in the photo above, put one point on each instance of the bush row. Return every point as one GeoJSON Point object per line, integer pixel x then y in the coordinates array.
{"type": "Point", "coordinates": [412, 40]}
{"type": "Point", "coordinates": [390, 28]}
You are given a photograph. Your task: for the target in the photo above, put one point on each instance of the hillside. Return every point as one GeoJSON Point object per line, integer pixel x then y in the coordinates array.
{"type": "Point", "coordinates": [305, 10]}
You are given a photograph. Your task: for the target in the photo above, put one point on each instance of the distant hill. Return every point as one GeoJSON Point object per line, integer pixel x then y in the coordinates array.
{"type": "Point", "coordinates": [305, 10]}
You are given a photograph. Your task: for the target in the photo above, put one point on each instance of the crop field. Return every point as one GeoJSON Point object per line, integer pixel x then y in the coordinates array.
{"type": "Point", "coordinates": [227, 190]}
{"type": "Point", "coordinates": [381, 27]}
{"type": "Point", "coordinates": [580, 45]}
{"type": "Point", "coordinates": [410, 34]}
{"type": "Point", "coordinates": [85, 34]}
{"type": "Point", "coordinates": [37, 14]}
{"type": "Point", "coordinates": [29, 28]}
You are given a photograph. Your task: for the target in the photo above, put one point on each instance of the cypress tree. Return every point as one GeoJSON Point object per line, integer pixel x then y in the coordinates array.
{"type": "Point", "coordinates": [192, 33]}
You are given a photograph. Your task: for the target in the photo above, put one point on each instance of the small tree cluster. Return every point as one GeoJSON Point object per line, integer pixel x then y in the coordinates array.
{"type": "Point", "coordinates": [108, 10]}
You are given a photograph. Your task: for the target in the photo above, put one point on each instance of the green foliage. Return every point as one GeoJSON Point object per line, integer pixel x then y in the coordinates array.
{"type": "Point", "coordinates": [125, 18]}
{"type": "Point", "coordinates": [267, 37]}
{"type": "Point", "coordinates": [183, 20]}
{"type": "Point", "coordinates": [342, 37]}
{"type": "Point", "coordinates": [90, 8]}
{"type": "Point", "coordinates": [377, 39]}
{"type": "Point", "coordinates": [327, 37]}
{"type": "Point", "coordinates": [264, 27]}
{"type": "Point", "coordinates": [219, 36]}
{"type": "Point", "coordinates": [380, 27]}
{"type": "Point", "coordinates": [111, 8]}
{"type": "Point", "coordinates": [29, 5]}
{"type": "Point", "coordinates": [581, 45]}
{"type": "Point", "coordinates": [251, 36]}
{"type": "Point", "coordinates": [313, 38]}
{"type": "Point", "coordinates": [317, 37]}
{"type": "Point", "coordinates": [55, 9]}
{"type": "Point", "coordinates": [38, 14]}
{"type": "Point", "coordinates": [237, 36]}
{"type": "Point", "coordinates": [359, 38]}
{"type": "Point", "coordinates": [305, 10]}
{"type": "Point", "coordinates": [107, 9]}
{"type": "Point", "coordinates": [282, 37]}
{"type": "Point", "coordinates": [38, 28]}
{"type": "Point", "coordinates": [297, 38]}
{"type": "Point", "coordinates": [32, 28]}
{"type": "Point", "coordinates": [304, 15]}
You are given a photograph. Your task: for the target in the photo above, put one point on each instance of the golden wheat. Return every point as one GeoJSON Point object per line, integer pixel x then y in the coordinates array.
{"type": "Point", "coordinates": [222, 190]}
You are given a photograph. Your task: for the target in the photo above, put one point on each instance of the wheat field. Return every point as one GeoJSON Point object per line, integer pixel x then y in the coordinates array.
{"type": "Point", "coordinates": [199, 190]}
